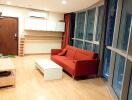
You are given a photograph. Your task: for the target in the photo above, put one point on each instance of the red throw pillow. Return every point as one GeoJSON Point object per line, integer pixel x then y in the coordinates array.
{"type": "Point", "coordinates": [62, 53]}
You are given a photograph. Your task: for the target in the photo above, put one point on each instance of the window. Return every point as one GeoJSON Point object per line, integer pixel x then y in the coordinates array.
{"type": "Point", "coordinates": [87, 46]}
{"type": "Point", "coordinates": [106, 63]}
{"type": "Point", "coordinates": [80, 20]}
{"type": "Point", "coordinates": [125, 25]}
{"type": "Point", "coordinates": [78, 44]}
{"type": "Point", "coordinates": [111, 22]}
{"type": "Point", "coordinates": [130, 89]}
{"type": "Point", "coordinates": [99, 23]}
{"type": "Point", "coordinates": [96, 48]}
{"type": "Point", "coordinates": [118, 74]}
{"type": "Point", "coordinates": [90, 24]}
{"type": "Point", "coordinates": [87, 23]}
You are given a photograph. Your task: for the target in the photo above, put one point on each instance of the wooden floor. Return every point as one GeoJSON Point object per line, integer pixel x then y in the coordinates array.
{"type": "Point", "coordinates": [30, 85]}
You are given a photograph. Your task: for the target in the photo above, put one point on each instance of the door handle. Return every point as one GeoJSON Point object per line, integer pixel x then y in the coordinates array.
{"type": "Point", "coordinates": [15, 36]}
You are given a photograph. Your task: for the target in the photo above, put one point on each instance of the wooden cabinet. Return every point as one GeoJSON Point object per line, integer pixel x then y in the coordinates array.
{"type": "Point", "coordinates": [44, 25]}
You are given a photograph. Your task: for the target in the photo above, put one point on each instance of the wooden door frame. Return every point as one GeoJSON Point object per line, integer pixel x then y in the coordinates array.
{"type": "Point", "coordinates": [17, 18]}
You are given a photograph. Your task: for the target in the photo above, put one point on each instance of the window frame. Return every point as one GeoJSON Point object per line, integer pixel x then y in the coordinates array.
{"type": "Point", "coordinates": [93, 42]}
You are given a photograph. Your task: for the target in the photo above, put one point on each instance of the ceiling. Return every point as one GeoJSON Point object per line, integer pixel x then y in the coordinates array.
{"type": "Point", "coordinates": [52, 5]}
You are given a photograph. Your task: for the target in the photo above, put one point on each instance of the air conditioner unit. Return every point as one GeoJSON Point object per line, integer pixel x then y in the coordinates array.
{"type": "Point", "coordinates": [38, 14]}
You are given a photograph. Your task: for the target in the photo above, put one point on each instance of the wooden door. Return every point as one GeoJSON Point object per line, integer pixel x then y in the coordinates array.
{"type": "Point", "coordinates": [9, 35]}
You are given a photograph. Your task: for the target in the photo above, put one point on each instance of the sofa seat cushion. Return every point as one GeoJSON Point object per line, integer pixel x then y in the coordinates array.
{"type": "Point", "coordinates": [67, 63]}
{"type": "Point", "coordinates": [69, 66]}
{"type": "Point", "coordinates": [84, 55]}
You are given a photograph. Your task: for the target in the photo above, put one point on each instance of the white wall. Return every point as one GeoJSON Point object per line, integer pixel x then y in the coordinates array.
{"type": "Point", "coordinates": [32, 47]}
{"type": "Point", "coordinates": [45, 46]}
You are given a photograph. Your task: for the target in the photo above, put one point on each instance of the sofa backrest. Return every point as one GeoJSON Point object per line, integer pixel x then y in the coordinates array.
{"type": "Point", "coordinates": [79, 54]}
{"type": "Point", "coordinates": [84, 55]}
{"type": "Point", "coordinates": [71, 51]}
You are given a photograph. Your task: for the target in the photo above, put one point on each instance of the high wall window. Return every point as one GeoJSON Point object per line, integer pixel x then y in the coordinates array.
{"type": "Point", "coordinates": [88, 26]}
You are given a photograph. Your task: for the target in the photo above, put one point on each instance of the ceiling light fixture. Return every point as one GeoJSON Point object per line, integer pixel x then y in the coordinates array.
{"type": "Point", "coordinates": [64, 2]}
{"type": "Point", "coordinates": [45, 9]}
{"type": "Point", "coordinates": [8, 3]}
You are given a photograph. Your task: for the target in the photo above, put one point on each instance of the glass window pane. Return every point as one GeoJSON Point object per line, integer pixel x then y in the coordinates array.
{"type": "Point", "coordinates": [96, 48]}
{"type": "Point", "coordinates": [130, 90]}
{"type": "Point", "coordinates": [111, 22]}
{"type": "Point", "coordinates": [106, 63]}
{"type": "Point", "coordinates": [118, 74]}
{"type": "Point", "coordinates": [90, 24]}
{"type": "Point", "coordinates": [80, 21]}
{"type": "Point", "coordinates": [125, 25]}
{"type": "Point", "coordinates": [78, 44]}
{"type": "Point", "coordinates": [87, 46]}
{"type": "Point", "coordinates": [99, 23]}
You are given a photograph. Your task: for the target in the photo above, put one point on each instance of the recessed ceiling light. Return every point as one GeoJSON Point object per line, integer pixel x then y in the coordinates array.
{"type": "Point", "coordinates": [45, 9]}
{"type": "Point", "coordinates": [8, 3]}
{"type": "Point", "coordinates": [64, 2]}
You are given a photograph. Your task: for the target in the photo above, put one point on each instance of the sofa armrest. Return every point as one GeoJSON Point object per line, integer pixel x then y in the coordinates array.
{"type": "Point", "coordinates": [55, 51]}
{"type": "Point", "coordinates": [86, 67]}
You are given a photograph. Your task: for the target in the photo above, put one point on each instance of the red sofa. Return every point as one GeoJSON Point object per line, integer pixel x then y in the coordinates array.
{"type": "Point", "coordinates": [75, 61]}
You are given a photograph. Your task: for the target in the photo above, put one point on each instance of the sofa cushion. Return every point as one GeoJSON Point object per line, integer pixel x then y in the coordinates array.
{"type": "Point", "coordinates": [65, 62]}
{"type": "Point", "coordinates": [84, 55]}
{"type": "Point", "coordinates": [69, 66]}
{"type": "Point", "coordinates": [63, 52]}
{"type": "Point", "coordinates": [71, 51]}
{"type": "Point", "coordinates": [60, 59]}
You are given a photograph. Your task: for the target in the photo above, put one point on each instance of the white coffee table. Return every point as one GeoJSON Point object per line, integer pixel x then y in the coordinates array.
{"type": "Point", "coordinates": [50, 69]}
